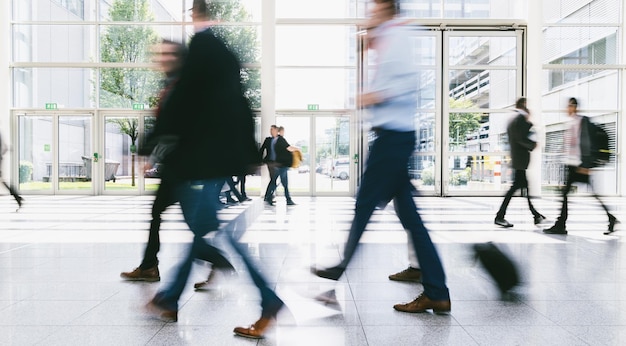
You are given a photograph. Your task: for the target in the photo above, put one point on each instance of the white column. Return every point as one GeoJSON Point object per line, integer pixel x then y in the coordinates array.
{"type": "Point", "coordinates": [5, 81]}
{"type": "Point", "coordinates": [268, 74]}
{"type": "Point", "coordinates": [534, 80]}
{"type": "Point", "coordinates": [621, 124]}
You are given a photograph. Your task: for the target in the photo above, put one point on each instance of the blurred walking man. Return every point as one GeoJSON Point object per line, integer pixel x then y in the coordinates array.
{"type": "Point", "coordinates": [391, 101]}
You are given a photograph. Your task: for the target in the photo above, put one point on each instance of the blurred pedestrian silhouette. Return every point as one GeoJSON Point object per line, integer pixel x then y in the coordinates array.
{"type": "Point", "coordinates": [12, 190]}
{"type": "Point", "coordinates": [391, 103]}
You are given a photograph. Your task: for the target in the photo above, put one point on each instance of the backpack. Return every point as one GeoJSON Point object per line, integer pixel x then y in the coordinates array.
{"type": "Point", "coordinates": [599, 145]}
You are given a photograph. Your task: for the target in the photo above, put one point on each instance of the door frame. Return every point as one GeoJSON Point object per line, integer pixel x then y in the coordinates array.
{"type": "Point", "coordinates": [311, 116]}
{"type": "Point", "coordinates": [441, 31]}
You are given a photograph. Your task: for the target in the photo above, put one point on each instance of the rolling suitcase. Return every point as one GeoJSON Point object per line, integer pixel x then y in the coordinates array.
{"type": "Point", "coordinates": [499, 266]}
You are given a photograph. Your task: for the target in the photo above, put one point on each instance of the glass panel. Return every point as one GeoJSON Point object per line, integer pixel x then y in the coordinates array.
{"type": "Point", "coordinates": [75, 164]}
{"type": "Point", "coordinates": [422, 172]}
{"type": "Point", "coordinates": [35, 153]}
{"type": "Point", "coordinates": [129, 88]}
{"type": "Point", "coordinates": [316, 45]}
{"type": "Point", "coordinates": [53, 43]}
{"type": "Point", "coordinates": [142, 11]}
{"type": "Point", "coordinates": [333, 165]}
{"type": "Point", "coordinates": [240, 10]}
{"type": "Point", "coordinates": [120, 153]}
{"type": "Point", "coordinates": [480, 50]}
{"type": "Point", "coordinates": [327, 88]}
{"type": "Point", "coordinates": [127, 43]}
{"type": "Point", "coordinates": [581, 45]}
{"type": "Point", "coordinates": [244, 41]}
{"type": "Point", "coordinates": [53, 10]}
{"type": "Point", "coordinates": [422, 164]}
{"type": "Point", "coordinates": [66, 87]}
{"type": "Point", "coordinates": [484, 88]}
{"type": "Point", "coordinates": [478, 132]}
{"type": "Point", "coordinates": [421, 8]}
{"type": "Point", "coordinates": [468, 8]}
{"type": "Point", "coordinates": [321, 8]}
{"type": "Point", "coordinates": [479, 173]}
{"type": "Point", "coordinates": [297, 134]}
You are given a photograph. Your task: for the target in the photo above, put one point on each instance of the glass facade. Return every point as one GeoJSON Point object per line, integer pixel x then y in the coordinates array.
{"type": "Point", "coordinates": [90, 57]}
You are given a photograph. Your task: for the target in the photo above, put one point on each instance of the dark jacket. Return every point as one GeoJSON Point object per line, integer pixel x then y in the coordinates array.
{"type": "Point", "coordinates": [284, 157]}
{"type": "Point", "coordinates": [208, 114]}
{"type": "Point", "coordinates": [521, 146]}
{"type": "Point", "coordinates": [266, 147]}
{"type": "Point", "coordinates": [585, 144]}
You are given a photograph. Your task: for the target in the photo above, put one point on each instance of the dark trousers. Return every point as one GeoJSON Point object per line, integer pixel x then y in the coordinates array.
{"type": "Point", "coordinates": [271, 186]}
{"type": "Point", "coordinates": [233, 190]}
{"type": "Point", "coordinates": [573, 176]}
{"type": "Point", "coordinates": [200, 212]}
{"type": "Point", "coordinates": [242, 185]}
{"type": "Point", "coordinates": [386, 177]}
{"type": "Point", "coordinates": [12, 191]}
{"type": "Point", "coordinates": [165, 197]}
{"type": "Point", "coordinates": [520, 182]}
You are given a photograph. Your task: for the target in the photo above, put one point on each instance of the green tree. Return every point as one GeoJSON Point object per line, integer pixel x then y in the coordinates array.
{"type": "Point", "coordinates": [121, 87]}
{"type": "Point", "coordinates": [241, 40]}
{"type": "Point", "coordinates": [463, 123]}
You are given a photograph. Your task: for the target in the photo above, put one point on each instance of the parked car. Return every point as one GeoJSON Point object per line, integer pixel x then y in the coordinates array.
{"type": "Point", "coordinates": [341, 170]}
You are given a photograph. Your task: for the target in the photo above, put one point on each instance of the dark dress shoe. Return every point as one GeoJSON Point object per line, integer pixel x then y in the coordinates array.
{"type": "Point", "coordinates": [612, 222]}
{"type": "Point", "coordinates": [332, 273]}
{"type": "Point", "coordinates": [556, 229]}
{"type": "Point", "coordinates": [539, 219]}
{"type": "Point", "coordinates": [423, 303]}
{"type": "Point", "coordinates": [500, 221]}
{"type": "Point", "coordinates": [290, 202]}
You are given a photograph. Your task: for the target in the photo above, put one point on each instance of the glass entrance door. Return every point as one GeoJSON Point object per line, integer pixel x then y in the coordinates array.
{"type": "Point", "coordinates": [468, 82]}
{"type": "Point", "coordinates": [55, 152]}
{"type": "Point", "coordinates": [328, 166]}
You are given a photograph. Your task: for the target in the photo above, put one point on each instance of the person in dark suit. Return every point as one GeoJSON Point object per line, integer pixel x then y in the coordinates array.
{"type": "Point", "coordinates": [518, 131]}
{"type": "Point", "coordinates": [284, 161]}
{"type": "Point", "coordinates": [207, 99]}
{"type": "Point", "coordinates": [268, 153]}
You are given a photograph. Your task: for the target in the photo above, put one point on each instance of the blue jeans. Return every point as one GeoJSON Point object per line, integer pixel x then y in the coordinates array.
{"type": "Point", "coordinates": [386, 177]}
{"type": "Point", "coordinates": [197, 201]}
{"type": "Point", "coordinates": [276, 172]}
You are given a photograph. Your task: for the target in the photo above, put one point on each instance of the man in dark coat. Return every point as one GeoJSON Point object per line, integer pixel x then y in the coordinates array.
{"type": "Point", "coordinates": [521, 146]}
{"type": "Point", "coordinates": [208, 99]}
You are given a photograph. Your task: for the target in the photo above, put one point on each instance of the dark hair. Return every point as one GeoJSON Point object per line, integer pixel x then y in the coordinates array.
{"type": "Point", "coordinates": [521, 103]}
{"type": "Point", "coordinates": [200, 7]}
{"type": "Point", "coordinates": [572, 102]}
{"type": "Point", "coordinates": [394, 6]}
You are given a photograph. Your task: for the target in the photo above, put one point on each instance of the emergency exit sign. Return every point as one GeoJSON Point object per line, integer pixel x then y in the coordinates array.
{"type": "Point", "coordinates": [51, 106]}
{"type": "Point", "coordinates": [312, 107]}
{"type": "Point", "coordinates": [138, 106]}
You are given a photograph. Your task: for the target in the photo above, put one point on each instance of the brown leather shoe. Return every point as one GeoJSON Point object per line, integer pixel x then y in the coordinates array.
{"type": "Point", "coordinates": [204, 284]}
{"type": "Point", "coordinates": [255, 331]}
{"type": "Point", "coordinates": [149, 275]}
{"type": "Point", "coordinates": [423, 303]}
{"type": "Point", "coordinates": [161, 313]}
{"type": "Point", "coordinates": [409, 275]}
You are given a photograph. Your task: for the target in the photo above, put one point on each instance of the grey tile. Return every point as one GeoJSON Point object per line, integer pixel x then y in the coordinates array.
{"type": "Point", "coordinates": [102, 335]}
{"type": "Point", "coordinates": [44, 313]}
{"type": "Point", "coordinates": [382, 313]}
{"type": "Point", "coordinates": [523, 335]}
{"type": "Point", "coordinates": [25, 335]}
{"type": "Point", "coordinates": [482, 313]}
{"type": "Point", "coordinates": [417, 335]}
{"type": "Point", "coordinates": [174, 335]}
{"type": "Point", "coordinates": [599, 335]}
{"type": "Point", "coordinates": [583, 313]}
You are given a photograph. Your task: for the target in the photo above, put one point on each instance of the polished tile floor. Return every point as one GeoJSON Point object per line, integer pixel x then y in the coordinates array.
{"type": "Point", "coordinates": [60, 259]}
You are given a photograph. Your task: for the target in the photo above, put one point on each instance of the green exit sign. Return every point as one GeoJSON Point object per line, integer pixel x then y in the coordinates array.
{"type": "Point", "coordinates": [312, 107]}
{"type": "Point", "coordinates": [138, 106]}
{"type": "Point", "coordinates": [51, 106]}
